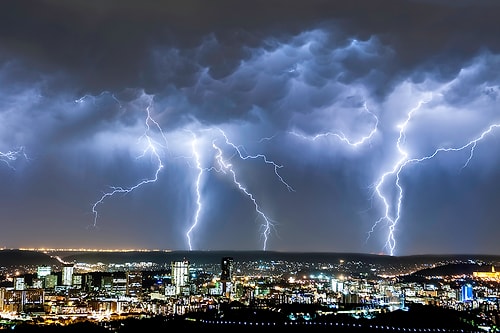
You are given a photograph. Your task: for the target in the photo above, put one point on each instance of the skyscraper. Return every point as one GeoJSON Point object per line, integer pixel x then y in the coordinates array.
{"type": "Point", "coordinates": [180, 275]}
{"type": "Point", "coordinates": [19, 283]}
{"type": "Point", "coordinates": [226, 269]}
{"type": "Point", "coordinates": [43, 271]}
{"type": "Point", "coordinates": [134, 284]}
{"type": "Point", "coordinates": [226, 273]}
{"type": "Point", "coordinates": [466, 293]}
{"type": "Point", "coordinates": [67, 274]}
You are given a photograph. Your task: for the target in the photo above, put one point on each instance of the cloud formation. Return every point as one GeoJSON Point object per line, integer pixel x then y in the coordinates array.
{"type": "Point", "coordinates": [311, 95]}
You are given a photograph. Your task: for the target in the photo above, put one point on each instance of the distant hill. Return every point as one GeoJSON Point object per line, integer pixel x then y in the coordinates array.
{"type": "Point", "coordinates": [204, 257]}
{"type": "Point", "coordinates": [10, 258]}
{"type": "Point", "coordinates": [450, 269]}
{"type": "Point", "coordinates": [453, 269]}
{"type": "Point", "coordinates": [161, 257]}
{"type": "Point", "coordinates": [465, 263]}
{"type": "Point", "coordinates": [355, 262]}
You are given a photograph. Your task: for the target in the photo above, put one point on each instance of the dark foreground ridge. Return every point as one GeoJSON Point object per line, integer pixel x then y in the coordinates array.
{"type": "Point", "coordinates": [419, 318]}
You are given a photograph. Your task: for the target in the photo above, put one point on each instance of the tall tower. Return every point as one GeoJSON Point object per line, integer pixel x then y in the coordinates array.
{"type": "Point", "coordinates": [2, 298]}
{"type": "Point", "coordinates": [180, 275]}
{"type": "Point", "coordinates": [19, 283]}
{"type": "Point", "coordinates": [226, 274]}
{"type": "Point", "coordinates": [43, 271]}
{"type": "Point", "coordinates": [134, 284]}
{"type": "Point", "coordinates": [67, 274]}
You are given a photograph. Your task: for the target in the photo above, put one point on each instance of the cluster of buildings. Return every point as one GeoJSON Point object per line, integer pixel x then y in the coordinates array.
{"type": "Point", "coordinates": [68, 294]}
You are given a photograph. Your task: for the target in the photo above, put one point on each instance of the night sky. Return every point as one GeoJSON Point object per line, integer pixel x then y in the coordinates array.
{"type": "Point", "coordinates": [334, 126]}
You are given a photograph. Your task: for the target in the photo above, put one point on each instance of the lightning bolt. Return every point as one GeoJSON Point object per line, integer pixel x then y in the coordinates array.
{"type": "Point", "coordinates": [197, 190]}
{"type": "Point", "coordinates": [151, 148]}
{"type": "Point", "coordinates": [226, 167]}
{"type": "Point", "coordinates": [223, 166]}
{"type": "Point", "coordinates": [341, 136]}
{"type": "Point", "coordinates": [83, 98]}
{"type": "Point", "coordinates": [240, 150]}
{"type": "Point", "coordinates": [12, 156]}
{"type": "Point", "coordinates": [392, 210]}
{"type": "Point", "coordinates": [393, 218]}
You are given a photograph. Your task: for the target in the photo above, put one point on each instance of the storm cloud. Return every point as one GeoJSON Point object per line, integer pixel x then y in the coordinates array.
{"type": "Point", "coordinates": [285, 125]}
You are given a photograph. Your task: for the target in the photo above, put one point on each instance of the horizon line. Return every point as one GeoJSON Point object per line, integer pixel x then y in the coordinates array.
{"type": "Point", "coordinates": [45, 250]}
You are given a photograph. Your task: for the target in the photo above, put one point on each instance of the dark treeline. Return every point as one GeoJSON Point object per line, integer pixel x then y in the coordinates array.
{"type": "Point", "coordinates": [418, 318]}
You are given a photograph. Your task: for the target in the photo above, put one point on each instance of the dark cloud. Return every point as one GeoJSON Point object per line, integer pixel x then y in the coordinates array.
{"type": "Point", "coordinates": [108, 44]}
{"type": "Point", "coordinates": [324, 97]}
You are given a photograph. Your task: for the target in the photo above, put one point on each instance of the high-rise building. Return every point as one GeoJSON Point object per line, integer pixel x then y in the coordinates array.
{"type": "Point", "coordinates": [134, 284]}
{"type": "Point", "coordinates": [180, 276]}
{"type": "Point", "coordinates": [50, 281]}
{"type": "Point", "coordinates": [19, 283]}
{"type": "Point", "coordinates": [107, 283]}
{"type": "Point", "coordinates": [466, 293]}
{"type": "Point", "coordinates": [2, 297]}
{"type": "Point", "coordinates": [77, 281]}
{"type": "Point", "coordinates": [119, 285]}
{"type": "Point", "coordinates": [67, 274]}
{"type": "Point", "coordinates": [37, 284]}
{"type": "Point", "coordinates": [43, 271]}
{"type": "Point", "coordinates": [226, 269]}
{"type": "Point", "coordinates": [226, 274]}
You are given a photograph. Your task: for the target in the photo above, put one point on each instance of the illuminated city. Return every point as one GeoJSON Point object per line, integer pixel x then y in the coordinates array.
{"type": "Point", "coordinates": [286, 289]}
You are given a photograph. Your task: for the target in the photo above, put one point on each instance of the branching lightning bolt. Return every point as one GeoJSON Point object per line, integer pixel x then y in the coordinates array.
{"type": "Point", "coordinates": [82, 99]}
{"type": "Point", "coordinates": [392, 215]}
{"type": "Point", "coordinates": [12, 155]}
{"type": "Point", "coordinates": [391, 219]}
{"type": "Point", "coordinates": [151, 148]}
{"type": "Point", "coordinates": [226, 167]}
{"type": "Point", "coordinates": [223, 166]}
{"type": "Point", "coordinates": [341, 136]}
{"type": "Point", "coordinates": [244, 156]}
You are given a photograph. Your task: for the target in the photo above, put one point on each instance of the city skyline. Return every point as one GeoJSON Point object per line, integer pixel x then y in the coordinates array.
{"type": "Point", "coordinates": [305, 126]}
